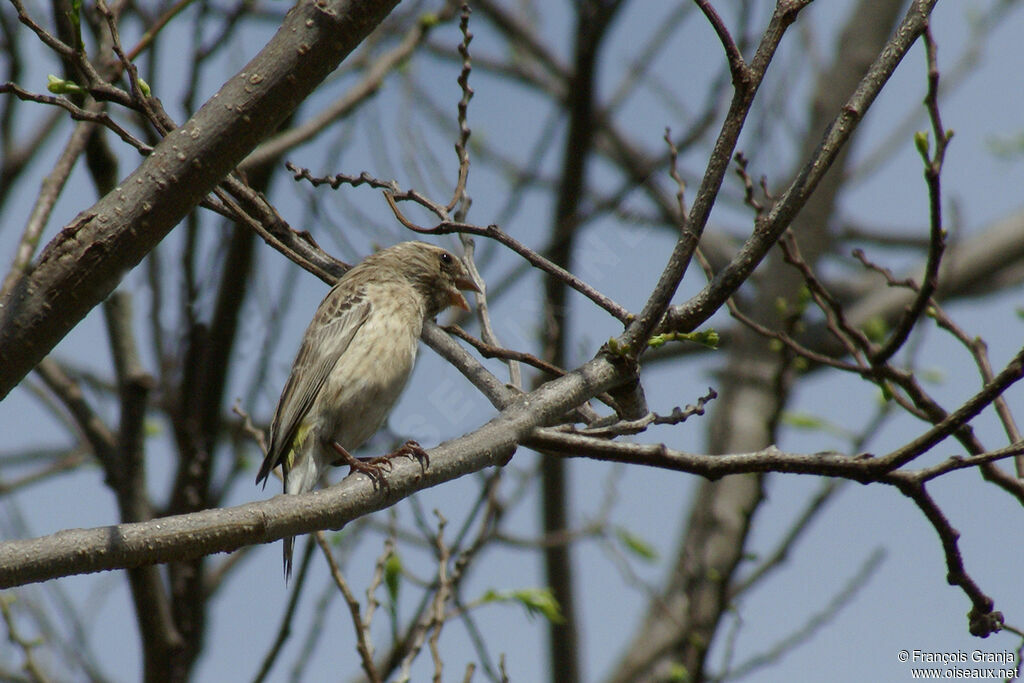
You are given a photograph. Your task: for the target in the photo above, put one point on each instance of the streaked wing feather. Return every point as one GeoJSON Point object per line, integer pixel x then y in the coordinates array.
{"type": "Point", "coordinates": [334, 325]}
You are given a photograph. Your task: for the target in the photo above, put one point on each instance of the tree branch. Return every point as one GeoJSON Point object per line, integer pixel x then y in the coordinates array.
{"type": "Point", "coordinates": [184, 537]}
{"type": "Point", "coordinates": [87, 259]}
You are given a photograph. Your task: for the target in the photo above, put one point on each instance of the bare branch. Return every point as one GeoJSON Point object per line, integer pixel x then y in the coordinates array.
{"type": "Point", "coordinates": [130, 221]}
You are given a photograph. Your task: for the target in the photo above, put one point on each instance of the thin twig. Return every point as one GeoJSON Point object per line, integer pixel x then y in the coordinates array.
{"type": "Point", "coordinates": [490, 351]}
{"type": "Point", "coordinates": [937, 234]}
{"type": "Point", "coordinates": [91, 113]}
{"type": "Point", "coordinates": [737, 66]}
{"type": "Point", "coordinates": [448, 226]}
{"type": "Point", "coordinates": [362, 629]}
{"type": "Point", "coordinates": [461, 145]}
{"type": "Point", "coordinates": [983, 620]}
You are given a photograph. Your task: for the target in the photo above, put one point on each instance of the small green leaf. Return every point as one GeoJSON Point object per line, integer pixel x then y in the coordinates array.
{"type": "Point", "coordinates": [875, 329]}
{"type": "Point", "coordinates": [812, 423]}
{"type": "Point", "coordinates": [617, 349]}
{"type": "Point", "coordinates": [393, 575]}
{"type": "Point", "coordinates": [636, 545]}
{"type": "Point", "coordinates": [678, 673]}
{"type": "Point", "coordinates": [59, 86]}
{"type": "Point", "coordinates": [707, 338]}
{"type": "Point", "coordinates": [152, 428]}
{"type": "Point", "coordinates": [802, 420]}
{"type": "Point", "coordinates": [921, 142]}
{"type": "Point", "coordinates": [535, 600]}
{"type": "Point", "coordinates": [429, 20]}
{"type": "Point", "coordinates": [75, 17]}
{"type": "Point", "coordinates": [144, 88]}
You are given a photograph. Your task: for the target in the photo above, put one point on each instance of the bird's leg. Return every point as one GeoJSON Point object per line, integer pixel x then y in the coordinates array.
{"type": "Point", "coordinates": [374, 468]}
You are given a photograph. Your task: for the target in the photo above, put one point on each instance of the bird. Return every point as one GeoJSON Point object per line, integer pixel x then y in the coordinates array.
{"type": "Point", "coordinates": [354, 361]}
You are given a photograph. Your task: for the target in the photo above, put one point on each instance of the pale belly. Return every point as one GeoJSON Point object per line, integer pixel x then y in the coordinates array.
{"type": "Point", "coordinates": [365, 383]}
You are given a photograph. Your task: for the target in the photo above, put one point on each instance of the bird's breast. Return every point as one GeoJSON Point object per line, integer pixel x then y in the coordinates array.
{"type": "Point", "coordinates": [369, 376]}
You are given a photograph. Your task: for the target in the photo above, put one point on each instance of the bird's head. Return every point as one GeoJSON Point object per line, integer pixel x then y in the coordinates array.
{"type": "Point", "coordinates": [438, 274]}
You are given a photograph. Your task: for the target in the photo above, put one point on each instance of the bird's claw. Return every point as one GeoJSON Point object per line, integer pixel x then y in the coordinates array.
{"type": "Point", "coordinates": [410, 449]}
{"type": "Point", "coordinates": [373, 468]}
{"type": "Point", "coordinates": [413, 451]}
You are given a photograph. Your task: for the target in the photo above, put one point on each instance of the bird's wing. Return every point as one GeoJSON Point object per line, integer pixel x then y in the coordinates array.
{"type": "Point", "coordinates": [332, 329]}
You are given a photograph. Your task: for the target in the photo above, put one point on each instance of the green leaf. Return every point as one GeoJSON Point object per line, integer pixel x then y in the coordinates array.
{"type": "Point", "coordinates": [875, 329]}
{"type": "Point", "coordinates": [657, 340]}
{"type": "Point", "coordinates": [152, 428]}
{"type": "Point", "coordinates": [921, 142]}
{"type": "Point", "coordinates": [59, 86]}
{"type": "Point", "coordinates": [802, 420]}
{"type": "Point", "coordinates": [678, 673]}
{"type": "Point", "coordinates": [617, 349]}
{"type": "Point", "coordinates": [636, 545]}
{"type": "Point", "coordinates": [393, 575]}
{"type": "Point", "coordinates": [813, 423]}
{"type": "Point", "coordinates": [535, 600]}
{"type": "Point", "coordinates": [75, 17]}
{"type": "Point", "coordinates": [708, 338]}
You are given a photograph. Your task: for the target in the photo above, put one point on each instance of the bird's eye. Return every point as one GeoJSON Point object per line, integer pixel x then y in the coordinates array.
{"type": "Point", "coordinates": [446, 258]}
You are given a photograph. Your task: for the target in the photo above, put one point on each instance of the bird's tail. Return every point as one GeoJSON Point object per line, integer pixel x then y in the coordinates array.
{"type": "Point", "coordinates": [301, 476]}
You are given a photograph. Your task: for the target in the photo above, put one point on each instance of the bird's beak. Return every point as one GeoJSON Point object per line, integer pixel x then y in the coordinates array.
{"type": "Point", "coordinates": [455, 297]}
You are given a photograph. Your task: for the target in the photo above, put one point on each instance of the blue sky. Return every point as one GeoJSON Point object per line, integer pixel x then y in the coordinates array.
{"type": "Point", "coordinates": [905, 604]}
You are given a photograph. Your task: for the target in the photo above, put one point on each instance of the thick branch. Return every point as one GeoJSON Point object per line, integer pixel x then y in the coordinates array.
{"type": "Point", "coordinates": [185, 537]}
{"type": "Point", "coordinates": [87, 259]}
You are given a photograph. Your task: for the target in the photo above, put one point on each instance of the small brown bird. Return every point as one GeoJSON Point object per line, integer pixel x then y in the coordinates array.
{"type": "Point", "coordinates": [355, 359]}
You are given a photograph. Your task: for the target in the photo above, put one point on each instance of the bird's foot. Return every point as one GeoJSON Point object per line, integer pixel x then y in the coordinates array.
{"type": "Point", "coordinates": [410, 449]}
{"type": "Point", "coordinates": [414, 451]}
{"type": "Point", "coordinates": [373, 468]}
